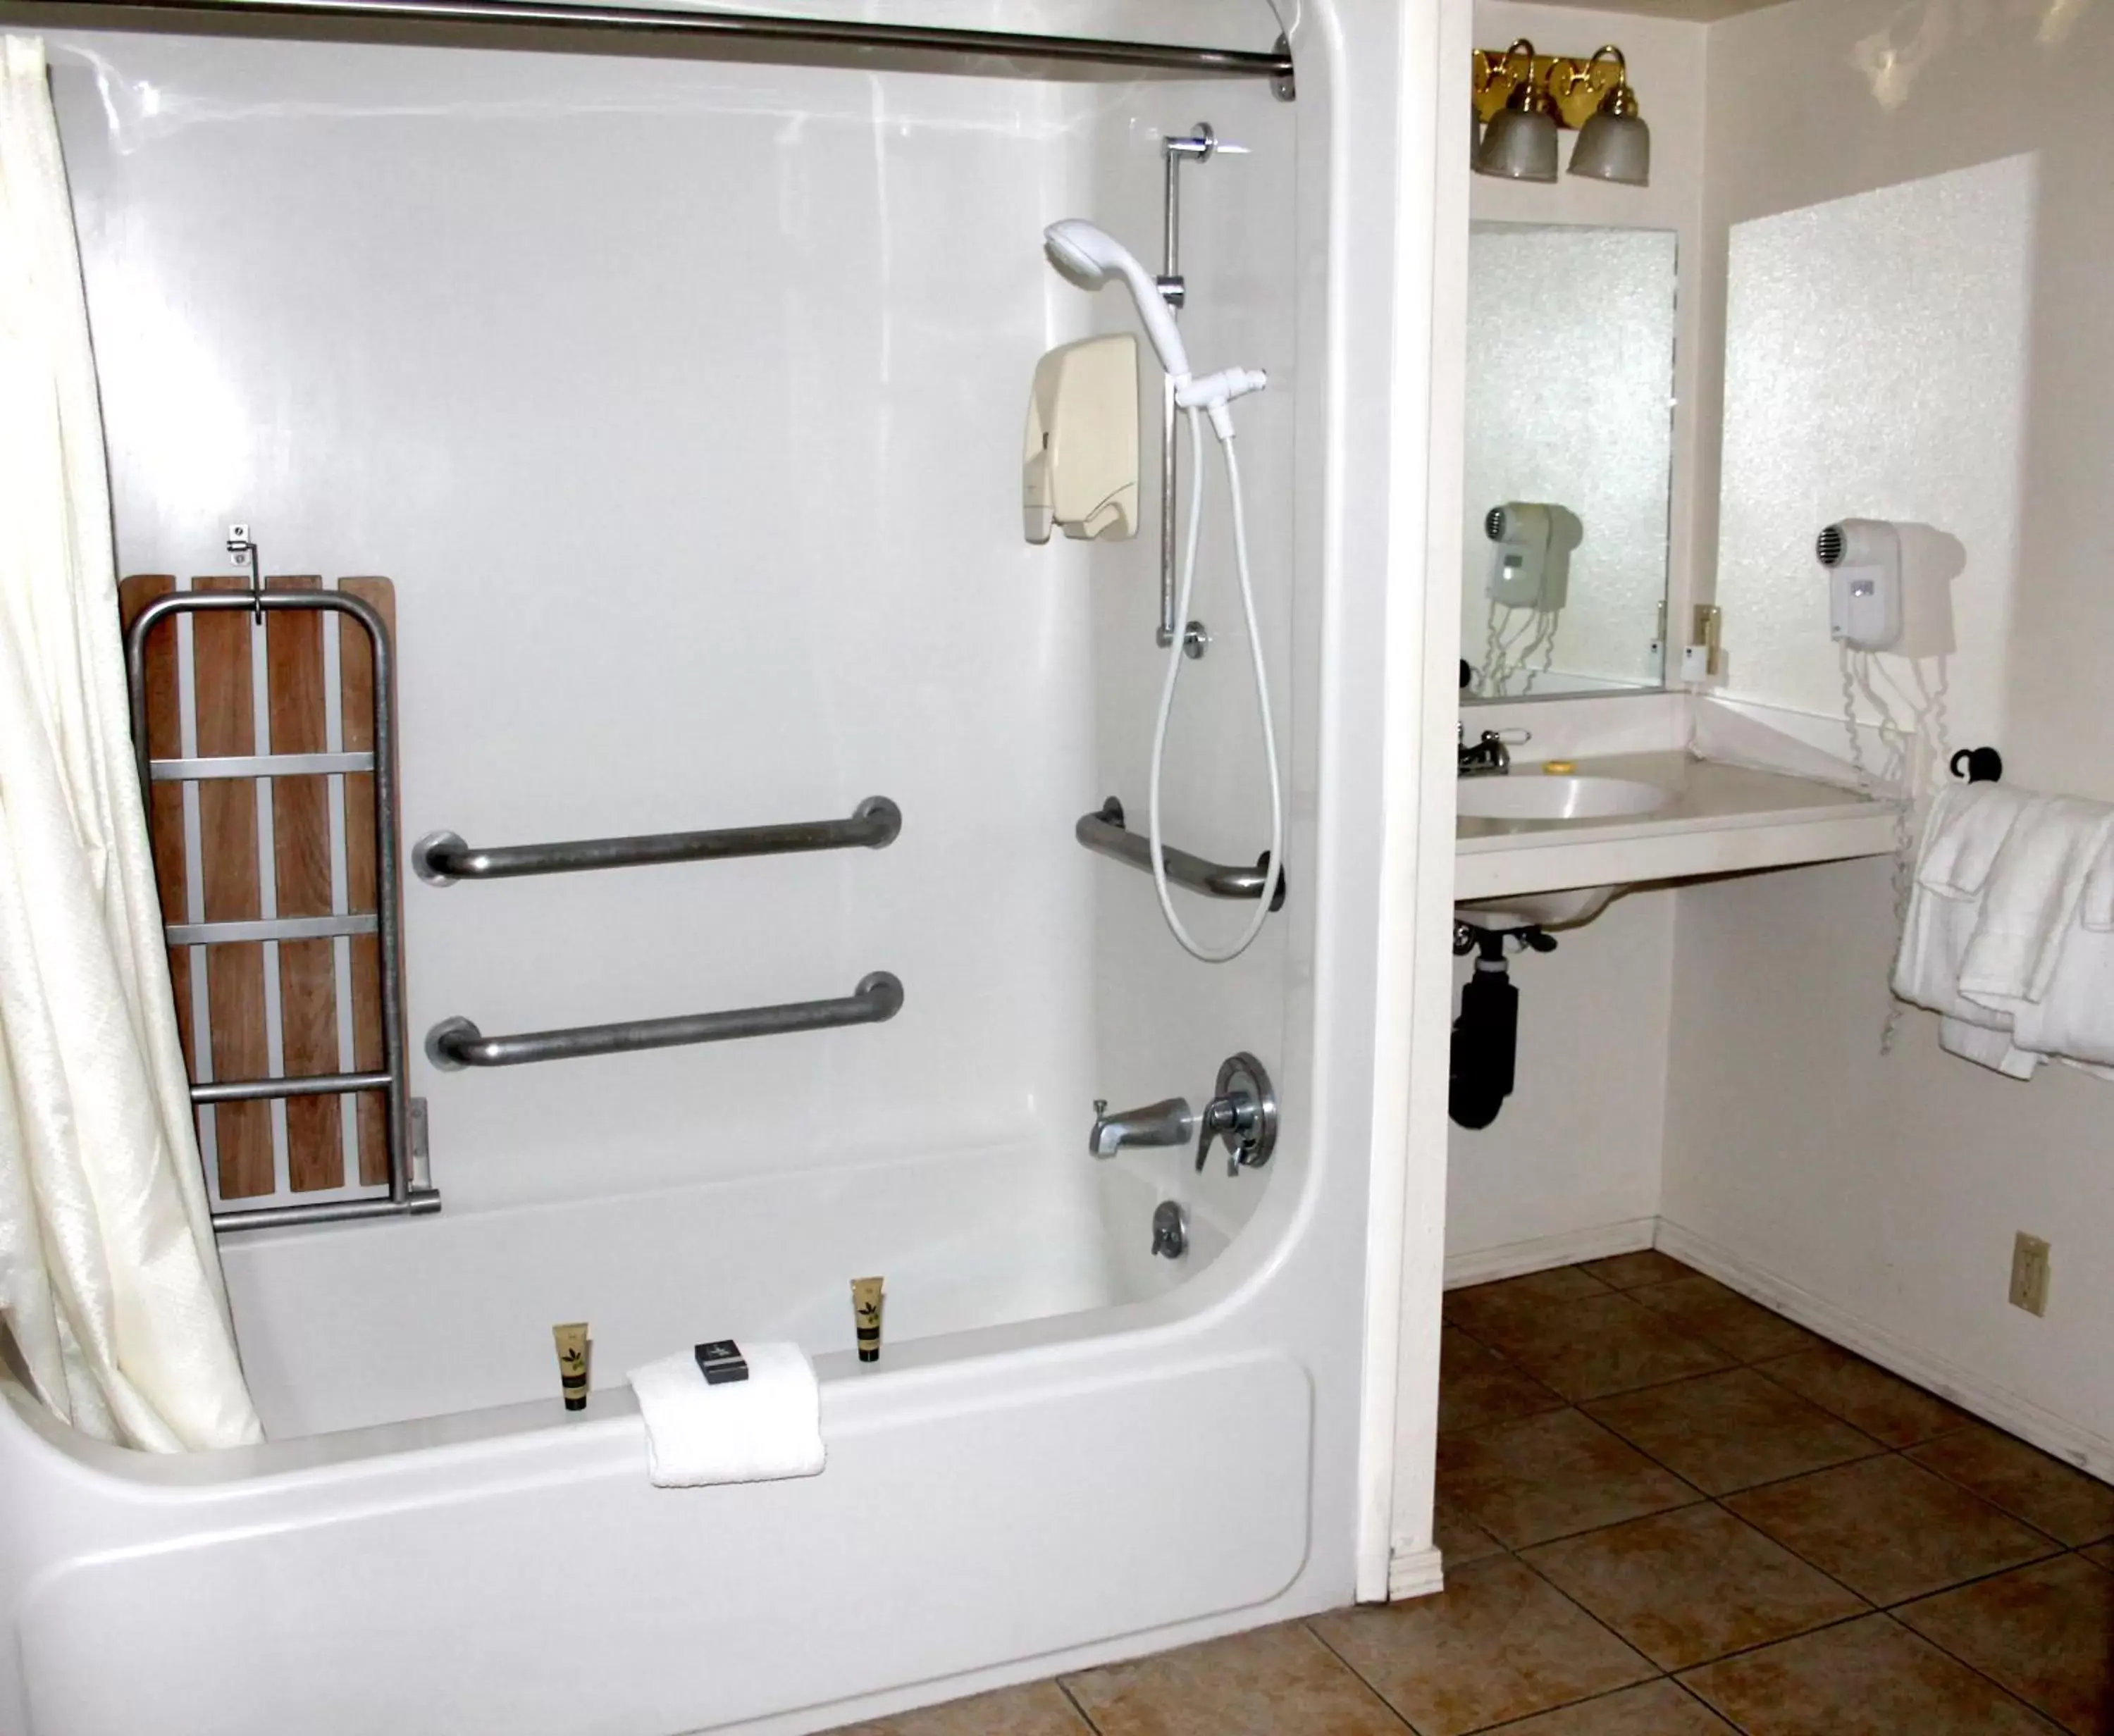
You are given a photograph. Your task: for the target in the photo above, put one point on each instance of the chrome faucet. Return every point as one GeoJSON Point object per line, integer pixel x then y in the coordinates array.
{"type": "Point", "coordinates": [1242, 1112]}
{"type": "Point", "coordinates": [1169, 1121]}
{"type": "Point", "coordinates": [1490, 757]}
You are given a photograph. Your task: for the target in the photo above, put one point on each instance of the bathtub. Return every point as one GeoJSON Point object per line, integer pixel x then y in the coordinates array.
{"type": "Point", "coordinates": [1072, 1450]}
{"type": "Point", "coordinates": [1064, 1445]}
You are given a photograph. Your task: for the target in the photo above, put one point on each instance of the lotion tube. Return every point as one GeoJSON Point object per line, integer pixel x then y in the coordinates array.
{"type": "Point", "coordinates": [572, 1341]}
{"type": "Point", "coordinates": [866, 1316]}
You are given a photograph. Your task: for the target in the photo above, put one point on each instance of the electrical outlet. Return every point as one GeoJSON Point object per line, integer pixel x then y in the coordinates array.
{"type": "Point", "coordinates": [2029, 1273]}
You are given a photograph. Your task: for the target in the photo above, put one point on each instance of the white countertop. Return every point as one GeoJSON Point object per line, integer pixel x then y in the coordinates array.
{"type": "Point", "coordinates": [1723, 820]}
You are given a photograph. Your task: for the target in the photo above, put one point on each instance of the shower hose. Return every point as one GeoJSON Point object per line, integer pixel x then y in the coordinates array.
{"type": "Point", "coordinates": [1190, 944]}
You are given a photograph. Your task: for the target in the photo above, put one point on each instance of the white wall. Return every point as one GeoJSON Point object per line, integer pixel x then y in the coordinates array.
{"type": "Point", "coordinates": [1571, 1166]}
{"type": "Point", "coordinates": [1574, 1156]}
{"type": "Point", "coordinates": [1884, 1195]}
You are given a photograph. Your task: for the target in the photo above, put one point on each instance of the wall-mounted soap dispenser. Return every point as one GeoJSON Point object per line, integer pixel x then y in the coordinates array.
{"type": "Point", "coordinates": [1079, 460]}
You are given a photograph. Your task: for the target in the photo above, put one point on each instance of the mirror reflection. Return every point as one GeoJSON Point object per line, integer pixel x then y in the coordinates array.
{"type": "Point", "coordinates": [1570, 452]}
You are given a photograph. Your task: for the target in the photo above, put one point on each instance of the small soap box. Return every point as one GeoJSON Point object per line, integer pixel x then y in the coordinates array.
{"type": "Point", "coordinates": [721, 1361]}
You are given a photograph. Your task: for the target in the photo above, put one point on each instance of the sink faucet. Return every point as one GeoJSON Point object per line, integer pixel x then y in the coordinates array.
{"type": "Point", "coordinates": [1170, 1122]}
{"type": "Point", "coordinates": [1490, 757]}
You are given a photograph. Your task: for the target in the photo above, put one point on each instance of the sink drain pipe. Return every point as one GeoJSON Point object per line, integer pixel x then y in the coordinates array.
{"type": "Point", "coordinates": [1486, 1034]}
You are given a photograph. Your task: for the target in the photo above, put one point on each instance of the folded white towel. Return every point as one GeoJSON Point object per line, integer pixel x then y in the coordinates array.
{"type": "Point", "coordinates": [2095, 910]}
{"type": "Point", "coordinates": [2029, 899]}
{"type": "Point", "coordinates": [768, 1426]}
{"type": "Point", "coordinates": [1968, 826]}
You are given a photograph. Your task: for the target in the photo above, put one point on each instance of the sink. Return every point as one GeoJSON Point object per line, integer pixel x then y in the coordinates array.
{"type": "Point", "coordinates": [1533, 796]}
{"type": "Point", "coordinates": [1565, 909]}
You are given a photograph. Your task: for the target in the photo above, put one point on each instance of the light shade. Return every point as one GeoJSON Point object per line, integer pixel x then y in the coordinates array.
{"type": "Point", "coordinates": [1520, 142]}
{"type": "Point", "coordinates": [1614, 144]}
{"type": "Point", "coordinates": [1614, 147]}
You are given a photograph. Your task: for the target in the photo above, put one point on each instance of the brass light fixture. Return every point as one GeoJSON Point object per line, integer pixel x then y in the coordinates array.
{"type": "Point", "coordinates": [1520, 142]}
{"type": "Point", "coordinates": [1614, 144]}
{"type": "Point", "coordinates": [1524, 97]}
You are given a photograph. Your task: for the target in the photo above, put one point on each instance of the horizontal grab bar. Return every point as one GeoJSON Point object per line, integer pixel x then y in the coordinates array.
{"type": "Point", "coordinates": [1103, 832]}
{"type": "Point", "coordinates": [441, 858]}
{"type": "Point", "coordinates": [455, 1044]}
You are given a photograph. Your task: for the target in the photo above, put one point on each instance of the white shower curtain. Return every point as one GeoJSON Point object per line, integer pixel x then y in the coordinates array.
{"type": "Point", "coordinates": [110, 1285]}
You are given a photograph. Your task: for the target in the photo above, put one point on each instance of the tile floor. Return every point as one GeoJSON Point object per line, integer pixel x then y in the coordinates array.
{"type": "Point", "coordinates": [1668, 1512]}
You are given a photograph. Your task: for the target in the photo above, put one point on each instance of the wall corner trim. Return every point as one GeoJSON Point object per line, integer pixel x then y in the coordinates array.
{"type": "Point", "coordinates": [1414, 1573]}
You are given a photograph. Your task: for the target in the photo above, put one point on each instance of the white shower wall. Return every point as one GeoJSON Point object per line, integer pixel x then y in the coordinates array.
{"type": "Point", "coordinates": [682, 402]}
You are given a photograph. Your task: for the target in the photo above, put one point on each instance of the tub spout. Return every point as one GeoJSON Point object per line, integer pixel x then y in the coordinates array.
{"type": "Point", "coordinates": [1170, 1122]}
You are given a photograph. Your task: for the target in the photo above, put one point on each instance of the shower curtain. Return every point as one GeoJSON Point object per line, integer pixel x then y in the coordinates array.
{"type": "Point", "coordinates": [110, 1285]}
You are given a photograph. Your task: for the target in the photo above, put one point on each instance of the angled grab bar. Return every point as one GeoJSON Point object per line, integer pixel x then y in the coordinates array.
{"type": "Point", "coordinates": [1103, 832]}
{"type": "Point", "coordinates": [455, 1044]}
{"type": "Point", "coordinates": [441, 858]}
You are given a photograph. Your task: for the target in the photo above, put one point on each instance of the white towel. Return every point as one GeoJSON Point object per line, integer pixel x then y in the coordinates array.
{"type": "Point", "coordinates": [768, 1426]}
{"type": "Point", "coordinates": [1968, 826]}
{"type": "Point", "coordinates": [2029, 900]}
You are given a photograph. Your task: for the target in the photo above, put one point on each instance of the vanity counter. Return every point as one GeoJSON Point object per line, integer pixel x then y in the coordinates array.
{"type": "Point", "coordinates": [1720, 820]}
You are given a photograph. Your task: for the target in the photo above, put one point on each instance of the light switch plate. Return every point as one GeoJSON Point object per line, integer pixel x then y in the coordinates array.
{"type": "Point", "coordinates": [2029, 1273]}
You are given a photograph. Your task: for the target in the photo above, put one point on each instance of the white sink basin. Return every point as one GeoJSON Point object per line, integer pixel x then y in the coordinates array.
{"type": "Point", "coordinates": [1538, 796]}
{"type": "Point", "coordinates": [1565, 909]}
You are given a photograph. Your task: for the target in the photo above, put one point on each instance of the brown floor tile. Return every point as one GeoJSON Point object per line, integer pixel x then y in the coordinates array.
{"type": "Point", "coordinates": [1868, 1678]}
{"type": "Point", "coordinates": [1595, 1346]}
{"type": "Point", "coordinates": [2062, 1501]}
{"type": "Point", "coordinates": [1498, 1642]}
{"type": "Point", "coordinates": [1888, 1529]}
{"type": "Point", "coordinates": [1731, 1431]}
{"type": "Point", "coordinates": [1459, 1540]}
{"type": "Point", "coordinates": [1038, 1709]}
{"type": "Point", "coordinates": [1477, 1387]}
{"type": "Point", "coordinates": [2046, 1632]}
{"type": "Point", "coordinates": [1547, 1477]}
{"type": "Point", "coordinates": [1277, 1681]}
{"type": "Point", "coordinates": [1628, 1271]}
{"type": "Point", "coordinates": [1483, 1308]}
{"type": "Point", "coordinates": [1656, 1709]}
{"type": "Point", "coordinates": [1684, 1587]}
{"type": "Point", "coordinates": [1704, 1308]}
{"type": "Point", "coordinates": [2102, 1553]}
{"type": "Point", "coordinates": [1885, 1407]}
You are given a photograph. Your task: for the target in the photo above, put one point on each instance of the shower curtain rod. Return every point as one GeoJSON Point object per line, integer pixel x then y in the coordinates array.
{"type": "Point", "coordinates": [1274, 64]}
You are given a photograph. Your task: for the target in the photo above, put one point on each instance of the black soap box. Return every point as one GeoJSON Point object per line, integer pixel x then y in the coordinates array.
{"type": "Point", "coordinates": [721, 1361]}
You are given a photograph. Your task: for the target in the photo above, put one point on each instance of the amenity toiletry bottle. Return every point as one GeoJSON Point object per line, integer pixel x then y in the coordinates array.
{"type": "Point", "coordinates": [866, 1314]}
{"type": "Point", "coordinates": [572, 1339]}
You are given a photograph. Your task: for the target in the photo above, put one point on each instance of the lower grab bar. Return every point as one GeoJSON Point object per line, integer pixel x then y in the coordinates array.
{"type": "Point", "coordinates": [455, 1044]}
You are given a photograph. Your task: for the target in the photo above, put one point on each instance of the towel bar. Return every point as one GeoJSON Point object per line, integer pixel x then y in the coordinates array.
{"type": "Point", "coordinates": [441, 858]}
{"type": "Point", "coordinates": [455, 1044]}
{"type": "Point", "coordinates": [1103, 832]}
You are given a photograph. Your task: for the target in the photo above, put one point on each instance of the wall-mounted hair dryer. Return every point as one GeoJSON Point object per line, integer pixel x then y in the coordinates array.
{"type": "Point", "coordinates": [1530, 566]}
{"type": "Point", "coordinates": [1864, 560]}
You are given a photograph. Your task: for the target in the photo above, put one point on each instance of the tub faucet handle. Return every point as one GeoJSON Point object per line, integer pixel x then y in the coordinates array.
{"type": "Point", "coordinates": [1243, 1112]}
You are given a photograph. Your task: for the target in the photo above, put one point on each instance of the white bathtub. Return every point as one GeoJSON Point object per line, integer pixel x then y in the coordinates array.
{"type": "Point", "coordinates": [621, 620]}
{"type": "Point", "coordinates": [1009, 1483]}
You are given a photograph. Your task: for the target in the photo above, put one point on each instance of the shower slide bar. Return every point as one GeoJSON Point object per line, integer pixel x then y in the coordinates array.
{"type": "Point", "coordinates": [1274, 64]}
{"type": "Point", "coordinates": [1103, 832]}
{"type": "Point", "coordinates": [441, 858]}
{"type": "Point", "coordinates": [410, 1189]}
{"type": "Point", "coordinates": [456, 1043]}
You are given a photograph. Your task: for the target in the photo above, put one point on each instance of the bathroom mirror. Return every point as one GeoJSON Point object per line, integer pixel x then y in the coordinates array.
{"type": "Point", "coordinates": [1569, 462]}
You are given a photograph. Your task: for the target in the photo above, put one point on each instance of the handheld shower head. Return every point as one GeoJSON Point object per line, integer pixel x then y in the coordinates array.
{"type": "Point", "coordinates": [1089, 257]}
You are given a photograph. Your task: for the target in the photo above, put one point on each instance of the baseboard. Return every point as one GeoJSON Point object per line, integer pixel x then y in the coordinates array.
{"type": "Point", "coordinates": [1414, 1573]}
{"type": "Point", "coordinates": [1515, 1259]}
{"type": "Point", "coordinates": [1971, 1392]}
